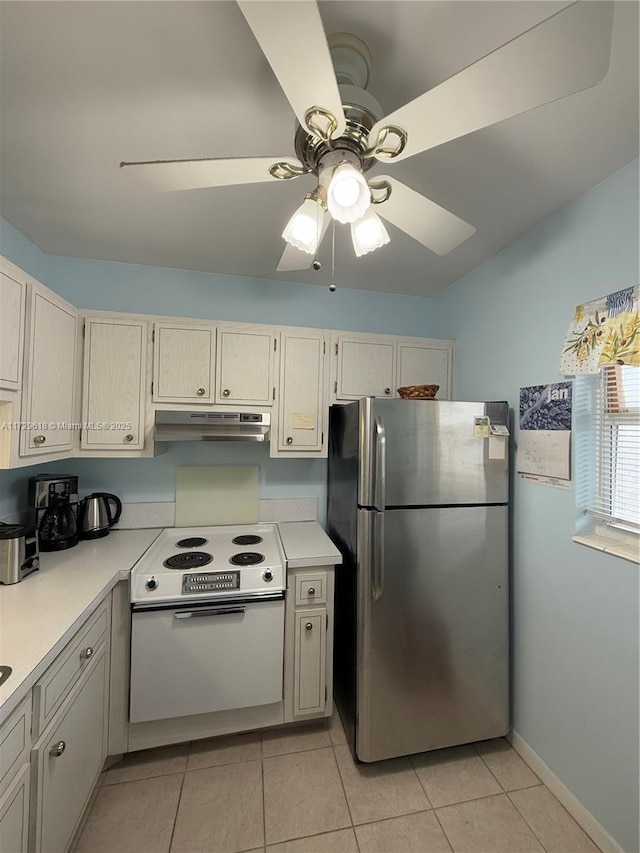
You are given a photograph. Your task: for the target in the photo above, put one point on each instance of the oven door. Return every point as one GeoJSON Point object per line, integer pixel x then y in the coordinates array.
{"type": "Point", "coordinates": [209, 657]}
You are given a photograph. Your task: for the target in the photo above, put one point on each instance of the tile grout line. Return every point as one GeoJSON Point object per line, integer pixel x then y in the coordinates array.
{"type": "Point", "coordinates": [534, 833]}
{"type": "Point", "coordinates": [444, 831]}
{"type": "Point", "coordinates": [264, 799]}
{"type": "Point", "coordinates": [175, 818]}
{"type": "Point", "coordinates": [481, 757]}
{"type": "Point", "coordinates": [344, 791]}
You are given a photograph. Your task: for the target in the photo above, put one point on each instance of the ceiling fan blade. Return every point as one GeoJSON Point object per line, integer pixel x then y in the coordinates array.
{"type": "Point", "coordinates": [565, 54]}
{"type": "Point", "coordinates": [421, 218]}
{"type": "Point", "coordinates": [293, 40]}
{"type": "Point", "coordinates": [295, 259]}
{"type": "Point", "coordinates": [172, 175]}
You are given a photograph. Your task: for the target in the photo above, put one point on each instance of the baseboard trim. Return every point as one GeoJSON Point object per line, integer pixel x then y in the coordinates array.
{"type": "Point", "coordinates": [572, 804]}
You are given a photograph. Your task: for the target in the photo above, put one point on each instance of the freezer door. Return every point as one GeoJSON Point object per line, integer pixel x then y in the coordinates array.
{"type": "Point", "coordinates": [432, 644]}
{"type": "Point", "coordinates": [431, 454]}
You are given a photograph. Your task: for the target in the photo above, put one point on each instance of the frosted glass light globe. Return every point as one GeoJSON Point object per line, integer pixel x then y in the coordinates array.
{"type": "Point", "coordinates": [304, 227]}
{"type": "Point", "coordinates": [348, 195]}
{"type": "Point", "coordinates": [368, 234]}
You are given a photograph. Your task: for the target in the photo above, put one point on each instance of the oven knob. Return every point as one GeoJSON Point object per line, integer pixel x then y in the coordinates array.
{"type": "Point", "coordinates": [152, 583]}
{"type": "Point", "coordinates": [267, 575]}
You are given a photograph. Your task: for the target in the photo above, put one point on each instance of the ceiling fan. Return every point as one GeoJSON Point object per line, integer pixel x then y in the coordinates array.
{"type": "Point", "coordinates": [342, 132]}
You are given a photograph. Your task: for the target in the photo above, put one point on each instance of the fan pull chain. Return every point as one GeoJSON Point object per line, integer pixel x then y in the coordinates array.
{"type": "Point", "coordinates": [332, 286]}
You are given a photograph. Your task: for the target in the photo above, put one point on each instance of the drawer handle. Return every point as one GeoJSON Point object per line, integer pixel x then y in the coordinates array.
{"type": "Point", "coordinates": [289, 440]}
{"type": "Point", "coordinates": [87, 653]}
{"type": "Point", "coordinates": [200, 392]}
{"type": "Point", "coordinates": [57, 749]}
{"type": "Point", "coordinates": [128, 437]}
{"type": "Point", "coordinates": [387, 390]}
{"type": "Point", "coordinates": [309, 626]}
{"type": "Point", "coordinates": [226, 392]}
{"type": "Point", "coordinates": [311, 590]}
{"type": "Point", "coordinates": [40, 439]}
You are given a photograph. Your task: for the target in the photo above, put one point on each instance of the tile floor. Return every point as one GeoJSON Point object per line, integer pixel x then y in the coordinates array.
{"type": "Point", "coordinates": [299, 791]}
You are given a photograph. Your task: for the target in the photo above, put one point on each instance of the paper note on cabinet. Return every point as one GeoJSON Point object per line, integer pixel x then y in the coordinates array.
{"type": "Point", "coordinates": [303, 420]}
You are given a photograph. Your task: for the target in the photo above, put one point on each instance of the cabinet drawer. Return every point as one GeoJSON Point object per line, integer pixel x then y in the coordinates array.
{"type": "Point", "coordinates": [67, 760]}
{"type": "Point", "coordinates": [15, 742]}
{"type": "Point", "coordinates": [14, 814]}
{"type": "Point", "coordinates": [311, 589]}
{"type": "Point", "coordinates": [50, 692]}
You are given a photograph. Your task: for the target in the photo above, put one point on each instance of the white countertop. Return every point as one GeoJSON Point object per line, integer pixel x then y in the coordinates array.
{"type": "Point", "coordinates": [306, 544]}
{"type": "Point", "coordinates": [40, 615]}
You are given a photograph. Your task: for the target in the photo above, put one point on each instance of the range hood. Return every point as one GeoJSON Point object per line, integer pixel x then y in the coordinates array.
{"type": "Point", "coordinates": [212, 426]}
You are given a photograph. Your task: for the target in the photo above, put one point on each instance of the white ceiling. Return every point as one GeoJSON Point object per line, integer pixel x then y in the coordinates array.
{"type": "Point", "coordinates": [85, 85]}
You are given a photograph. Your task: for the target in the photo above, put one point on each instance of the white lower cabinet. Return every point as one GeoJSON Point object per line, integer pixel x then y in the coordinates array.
{"type": "Point", "coordinates": [66, 761]}
{"type": "Point", "coordinates": [14, 814]}
{"type": "Point", "coordinates": [309, 643]}
{"type": "Point", "coordinates": [310, 661]}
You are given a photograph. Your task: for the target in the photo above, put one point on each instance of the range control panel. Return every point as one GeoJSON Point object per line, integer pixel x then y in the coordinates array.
{"type": "Point", "coordinates": [210, 582]}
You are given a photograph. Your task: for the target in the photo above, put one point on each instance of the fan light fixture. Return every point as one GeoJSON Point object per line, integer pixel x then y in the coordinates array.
{"type": "Point", "coordinates": [368, 233]}
{"type": "Point", "coordinates": [305, 226]}
{"type": "Point", "coordinates": [348, 195]}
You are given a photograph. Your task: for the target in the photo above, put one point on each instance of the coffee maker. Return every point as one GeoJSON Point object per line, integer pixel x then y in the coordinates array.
{"type": "Point", "coordinates": [55, 502]}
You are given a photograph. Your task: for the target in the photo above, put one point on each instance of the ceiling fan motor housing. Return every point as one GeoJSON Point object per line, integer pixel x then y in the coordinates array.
{"type": "Point", "coordinates": [361, 111]}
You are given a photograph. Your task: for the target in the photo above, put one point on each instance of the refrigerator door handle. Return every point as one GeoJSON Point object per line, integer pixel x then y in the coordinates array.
{"type": "Point", "coordinates": [377, 552]}
{"type": "Point", "coordinates": [380, 464]}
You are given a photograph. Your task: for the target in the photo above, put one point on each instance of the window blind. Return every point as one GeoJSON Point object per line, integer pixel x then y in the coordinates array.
{"type": "Point", "coordinates": [616, 422]}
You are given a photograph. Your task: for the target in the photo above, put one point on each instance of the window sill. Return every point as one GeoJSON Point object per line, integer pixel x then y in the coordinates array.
{"type": "Point", "coordinates": [610, 546]}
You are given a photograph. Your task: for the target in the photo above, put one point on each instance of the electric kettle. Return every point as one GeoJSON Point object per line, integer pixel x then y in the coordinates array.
{"type": "Point", "coordinates": [96, 517]}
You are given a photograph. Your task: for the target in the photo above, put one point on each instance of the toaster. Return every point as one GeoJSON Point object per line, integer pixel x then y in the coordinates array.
{"type": "Point", "coordinates": [19, 555]}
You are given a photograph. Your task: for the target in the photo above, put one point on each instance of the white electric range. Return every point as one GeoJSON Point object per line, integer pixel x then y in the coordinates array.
{"type": "Point", "coordinates": [207, 628]}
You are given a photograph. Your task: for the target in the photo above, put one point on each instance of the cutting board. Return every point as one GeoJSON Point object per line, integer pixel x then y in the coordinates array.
{"type": "Point", "coordinates": [216, 494]}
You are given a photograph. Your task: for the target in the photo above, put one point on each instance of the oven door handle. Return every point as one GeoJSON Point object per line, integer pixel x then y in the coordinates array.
{"type": "Point", "coordinates": [210, 611]}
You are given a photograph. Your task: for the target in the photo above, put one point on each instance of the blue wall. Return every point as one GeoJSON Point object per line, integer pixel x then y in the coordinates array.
{"type": "Point", "coordinates": [153, 290]}
{"type": "Point", "coordinates": [575, 652]}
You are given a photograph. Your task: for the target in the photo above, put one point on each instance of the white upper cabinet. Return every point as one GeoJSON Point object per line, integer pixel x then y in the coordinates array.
{"type": "Point", "coordinates": [183, 363]}
{"type": "Point", "coordinates": [113, 384]}
{"type": "Point", "coordinates": [302, 410]}
{"type": "Point", "coordinates": [366, 366]}
{"type": "Point", "coordinates": [12, 305]}
{"type": "Point", "coordinates": [245, 369]}
{"type": "Point", "coordinates": [50, 370]}
{"type": "Point", "coordinates": [426, 363]}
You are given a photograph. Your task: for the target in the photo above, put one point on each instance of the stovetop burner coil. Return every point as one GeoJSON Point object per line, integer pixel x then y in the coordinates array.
{"type": "Point", "coordinates": [247, 539]}
{"type": "Point", "coordinates": [192, 542]}
{"type": "Point", "coordinates": [188, 560]}
{"type": "Point", "coordinates": [247, 558]}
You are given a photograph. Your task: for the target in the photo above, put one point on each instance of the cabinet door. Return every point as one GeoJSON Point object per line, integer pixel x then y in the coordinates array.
{"type": "Point", "coordinates": [245, 367]}
{"type": "Point", "coordinates": [51, 366]}
{"type": "Point", "coordinates": [113, 388]}
{"type": "Point", "coordinates": [12, 302]}
{"type": "Point", "coordinates": [183, 363]}
{"type": "Point", "coordinates": [419, 364]}
{"type": "Point", "coordinates": [310, 661]}
{"type": "Point", "coordinates": [69, 758]}
{"type": "Point", "coordinates": [366, 367]}
{"type": "Point", "coordinates": [14, 814]}
{"type": "Point", "coordinates": [301, 411]}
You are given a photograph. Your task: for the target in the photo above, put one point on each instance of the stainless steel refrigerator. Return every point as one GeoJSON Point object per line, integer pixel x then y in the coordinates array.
{"type": "Point", "coordinates": [418, 505]}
